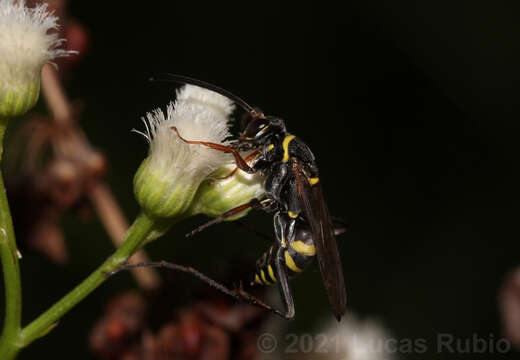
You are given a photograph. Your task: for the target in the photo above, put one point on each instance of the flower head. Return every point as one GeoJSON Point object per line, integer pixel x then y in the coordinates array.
{"type": "Point", "coordinates": [25, 46]}
{"type": "Point", "coordinates": [169, 177]}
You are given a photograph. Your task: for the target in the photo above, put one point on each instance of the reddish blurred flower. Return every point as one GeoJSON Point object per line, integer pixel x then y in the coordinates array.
{"type": "Point", "coordinates": [509, 303]}
{"type": "Point", "coordinates": [215, 328]}
{"type": "Point", "coordinates": [55, 170]}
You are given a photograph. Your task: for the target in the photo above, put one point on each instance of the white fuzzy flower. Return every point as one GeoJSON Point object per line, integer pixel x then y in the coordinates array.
{"type": "Point", "coordinates": [25, 46]}
{"type": "Point", "coordinates": [168, 179]}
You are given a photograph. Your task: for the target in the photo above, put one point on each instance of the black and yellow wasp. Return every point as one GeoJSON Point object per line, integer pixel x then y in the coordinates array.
{"type": "Point", "coordinates": [302, 225]}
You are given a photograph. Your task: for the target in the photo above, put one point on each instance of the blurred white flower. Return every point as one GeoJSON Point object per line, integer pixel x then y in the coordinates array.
{"type": "Point", "coordinates": [169, 177]}
{"type": "Point", "coordinates": [355, 339]}
{"type": "Point", "coordinates": [25, 46]}
{"type": "Point", "coordinates": [350, 339]}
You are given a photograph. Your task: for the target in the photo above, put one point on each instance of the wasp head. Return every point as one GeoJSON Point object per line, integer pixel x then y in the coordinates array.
{"type": "Point", "coordinates": [260, 129]}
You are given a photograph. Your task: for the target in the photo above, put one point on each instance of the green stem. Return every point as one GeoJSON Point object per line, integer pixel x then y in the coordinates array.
{"type": "Point", "coordinates": [10, 269]}
{"type": "Point", "coordinates": [135, 238]}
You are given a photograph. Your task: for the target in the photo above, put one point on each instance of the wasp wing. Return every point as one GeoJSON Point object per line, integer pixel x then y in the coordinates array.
{"type": "Point", "coordinates": [317, 214]}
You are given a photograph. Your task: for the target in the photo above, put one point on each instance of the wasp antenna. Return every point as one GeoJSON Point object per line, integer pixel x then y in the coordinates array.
{"type": "Point", "coordinates": [188, 80]}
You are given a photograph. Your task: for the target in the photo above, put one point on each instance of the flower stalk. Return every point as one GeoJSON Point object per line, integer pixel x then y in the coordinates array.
{"type": "Point", "coordinates": [140, 232]}
{"type": "Point", "coordinates": [10, 269]}
{"type": "Point", "coordinates": [25, 46]}
{"type": "Point", "coordinates": [137, 235]}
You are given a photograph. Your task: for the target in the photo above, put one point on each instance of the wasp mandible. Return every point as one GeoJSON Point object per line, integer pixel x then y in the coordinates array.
{"type": "Point", "coordinates": [302, 224]}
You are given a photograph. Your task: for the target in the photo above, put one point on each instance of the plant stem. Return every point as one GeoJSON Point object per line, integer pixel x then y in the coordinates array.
{"type": "Point", "coordinates": [136, 236]}
{"type": "Point", "coordinates": [116, 226]}
{"type": "Point", "coordinates": [10, 269]}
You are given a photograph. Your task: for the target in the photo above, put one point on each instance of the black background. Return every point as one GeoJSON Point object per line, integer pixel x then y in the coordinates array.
{"type": "Point", "coordinates": [410, 107]}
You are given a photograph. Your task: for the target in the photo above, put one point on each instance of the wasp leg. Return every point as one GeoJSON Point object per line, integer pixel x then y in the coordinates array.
{"type": "Point", "coordinates": [238, 294]}
{"type": "Point", "coordinates": [241, 163]}
{"type": "Point", "coordinates": [248, 158]}
{"type": "Point", "coordinates": [276, 181]}
{"type": "Point", "coordinates": [233, 172]}
{"type": "Point", "coordinates": [283, 284]}
{"type": "Point", "coordinates": [254, 204]}
{"type": "Point", "coordinates": [283, 228]}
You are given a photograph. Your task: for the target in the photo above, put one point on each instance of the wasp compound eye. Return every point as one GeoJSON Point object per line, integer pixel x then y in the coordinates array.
{"type": "Point", "coordinates": [255, 127]}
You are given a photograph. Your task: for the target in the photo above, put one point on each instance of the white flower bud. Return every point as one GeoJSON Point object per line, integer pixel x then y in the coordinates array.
{"type": "Point", "coordinates": [169, 177]}
{"type": "Point", "coordinates": [25, 46]}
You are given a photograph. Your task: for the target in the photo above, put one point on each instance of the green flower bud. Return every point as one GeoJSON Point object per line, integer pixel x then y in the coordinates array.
{"type": "Point", "coordinates": [159, 195]}
{"type": "Point", "coordinates": [17, 100]}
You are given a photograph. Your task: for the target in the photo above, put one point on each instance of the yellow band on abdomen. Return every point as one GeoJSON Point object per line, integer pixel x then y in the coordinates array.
{"type": "Point", "coordinates": [290, 263]}
{"type": "Point", "coordinates": [303, 248]}
{"type": "Point", "coordinates": [262, 273]}
{"type": "Point", "coordinates": [271, 273]}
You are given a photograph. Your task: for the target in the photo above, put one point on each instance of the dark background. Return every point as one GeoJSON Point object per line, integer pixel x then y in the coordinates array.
{"type": "Point", "coordinates": [411, 109]}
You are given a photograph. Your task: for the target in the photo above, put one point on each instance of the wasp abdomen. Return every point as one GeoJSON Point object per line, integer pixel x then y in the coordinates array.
{"type": "Point", "coordinates": [296, 257]}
